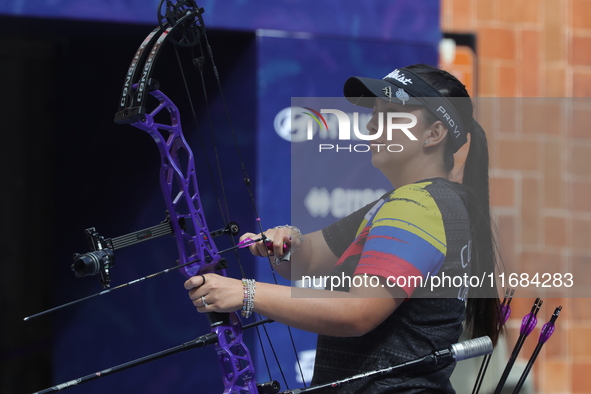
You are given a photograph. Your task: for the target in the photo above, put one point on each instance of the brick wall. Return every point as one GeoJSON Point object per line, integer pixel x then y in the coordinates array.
{"type": "Point", "coordinates": [540, 159]}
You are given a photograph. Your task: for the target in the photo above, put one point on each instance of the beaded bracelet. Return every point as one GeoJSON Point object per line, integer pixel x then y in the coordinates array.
{"type": "Point", "coordinates": [249, 287]}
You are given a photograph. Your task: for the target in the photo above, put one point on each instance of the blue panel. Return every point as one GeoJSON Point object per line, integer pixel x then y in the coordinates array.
{"type": "Point", "coordinates": [409, 20]}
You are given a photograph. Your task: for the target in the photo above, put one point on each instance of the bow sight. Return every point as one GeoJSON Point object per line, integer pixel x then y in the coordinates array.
{"type": "Point", "coordinates": [102, 257]}
{"type": "Point", "coordinates": [92, 263]}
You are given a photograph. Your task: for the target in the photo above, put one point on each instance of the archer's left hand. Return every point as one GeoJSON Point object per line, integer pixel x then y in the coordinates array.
{"type": "Point", "coordinates": [215, 293]}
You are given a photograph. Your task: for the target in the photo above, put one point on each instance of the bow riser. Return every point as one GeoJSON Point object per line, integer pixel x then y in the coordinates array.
{"type": "Point", "coordinates": [233, 355]}
{"type": "Point", "coordinates": [179, 187]}
{"type": "Point", "coordinates": [181, 194]}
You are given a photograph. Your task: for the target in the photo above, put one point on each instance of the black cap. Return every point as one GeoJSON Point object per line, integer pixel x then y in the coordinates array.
{"type": "Point", "coordinates": [402, 86]}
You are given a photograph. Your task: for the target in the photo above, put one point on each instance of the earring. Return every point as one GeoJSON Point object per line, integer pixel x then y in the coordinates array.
{"type": "Point", "coordinates": [426, 142]}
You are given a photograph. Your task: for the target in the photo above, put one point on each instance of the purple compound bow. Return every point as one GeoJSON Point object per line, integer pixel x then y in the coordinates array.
{"type": "Point", "coordinates": [182, 24]}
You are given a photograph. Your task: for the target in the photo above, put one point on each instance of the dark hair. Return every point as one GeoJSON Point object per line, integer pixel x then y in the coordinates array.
{"type": "Point", "coordinates": [483, 316]}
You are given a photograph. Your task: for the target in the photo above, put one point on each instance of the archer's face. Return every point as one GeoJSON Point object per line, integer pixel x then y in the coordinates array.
{"type": "Point", "coordinates": [395, 144]}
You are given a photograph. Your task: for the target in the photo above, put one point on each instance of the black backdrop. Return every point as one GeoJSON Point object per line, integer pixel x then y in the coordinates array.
{"type": "Point", "coordinates": [68, 167]}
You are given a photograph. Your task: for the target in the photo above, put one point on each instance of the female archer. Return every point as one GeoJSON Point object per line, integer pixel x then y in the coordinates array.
{"type": "Point", "coordinates": [427, 228]}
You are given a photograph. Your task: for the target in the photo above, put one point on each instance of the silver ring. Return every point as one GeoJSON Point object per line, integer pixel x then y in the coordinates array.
{"type": "Point", "coordinates": [205, 304]}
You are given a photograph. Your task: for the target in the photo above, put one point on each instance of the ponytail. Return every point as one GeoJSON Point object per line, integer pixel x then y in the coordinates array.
{"type": "Point", "coordinates": [482, 310]}
{"type": "Point", "coordinates": [483, 315]}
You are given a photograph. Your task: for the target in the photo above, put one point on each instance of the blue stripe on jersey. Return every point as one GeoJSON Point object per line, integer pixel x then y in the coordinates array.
{"type": "Point", "coordinates": [406, 246]}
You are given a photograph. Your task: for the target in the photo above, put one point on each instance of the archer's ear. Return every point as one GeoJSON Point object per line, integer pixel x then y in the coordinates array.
{"type": "Point", "coordinates": [435, 134]}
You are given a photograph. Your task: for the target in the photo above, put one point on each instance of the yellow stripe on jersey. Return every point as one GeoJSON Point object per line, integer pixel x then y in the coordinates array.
{"type": "Point", "coordinates": [413, 209]}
